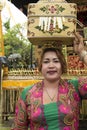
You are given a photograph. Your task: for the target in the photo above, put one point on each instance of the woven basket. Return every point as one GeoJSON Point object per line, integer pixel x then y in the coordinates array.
{"type": "Point", "coordinates": [51, 21]}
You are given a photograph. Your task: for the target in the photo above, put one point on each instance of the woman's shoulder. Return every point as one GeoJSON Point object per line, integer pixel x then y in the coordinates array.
{"type": "Point", "coordinates": [80, 84]}
{"type": "Point", "coordinates": [74, 81]}
{"type": "Point", "coordinates": [28, 89]}
{"type": "Point", "coordinates": [25, 91]}
{"type": "Point", "coordinates": [78, 81]}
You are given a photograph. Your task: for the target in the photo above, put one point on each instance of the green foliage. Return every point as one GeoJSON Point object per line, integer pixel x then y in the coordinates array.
{"type": "Point", "coordinates": [7, 24]}
{"type": "Point", "coordinates": [15, 42]}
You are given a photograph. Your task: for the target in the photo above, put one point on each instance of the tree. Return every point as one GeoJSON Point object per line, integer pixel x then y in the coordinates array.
{"type": "Point", "coordinates": [15, 42]}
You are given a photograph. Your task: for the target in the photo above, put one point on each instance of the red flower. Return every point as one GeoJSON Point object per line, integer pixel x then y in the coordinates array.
{"type": "Point", "coordinates": [37, 94]}
{"type": "Point", "coordinates": [51, 27]}
{"type": "Point", "coordinates": [64, 109]}
{"type": "Point", "coordinates": [52, 9]}
{"type": "Point", "coordinates": [37, 112]}
{"type": "Point", "coordinates": [67, 128]}
{"type": "Point", "coordinates": [85, 87]}
{"type": "Point", "coordinates": [63, 90]}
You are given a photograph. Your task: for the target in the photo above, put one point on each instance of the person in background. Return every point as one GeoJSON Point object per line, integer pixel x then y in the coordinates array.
{"type": "Point", "coordinates": [53, 103]}
{"type": "Point", "coordinates": [79, 47]}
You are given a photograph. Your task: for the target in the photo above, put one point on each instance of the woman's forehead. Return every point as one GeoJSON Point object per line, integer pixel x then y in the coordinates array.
{"type": "Point", "coordinates": [50, 54]}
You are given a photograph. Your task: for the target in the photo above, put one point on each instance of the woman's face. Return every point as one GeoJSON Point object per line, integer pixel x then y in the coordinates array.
{"type": "Point", "coordinates": [51, 66]}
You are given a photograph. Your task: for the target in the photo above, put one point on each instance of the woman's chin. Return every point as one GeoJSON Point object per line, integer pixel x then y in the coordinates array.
{"type": "Point", "coordinates": [52, 79]}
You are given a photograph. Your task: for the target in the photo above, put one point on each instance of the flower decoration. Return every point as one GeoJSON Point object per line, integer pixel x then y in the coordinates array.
{"type": "Point", "coordinates": [67, 128]}
{"type": "Point", "coordinates": [85, 87]}
{"type": "Point", "coordinates": [64, 109]}
{"type": "Point", "coordinates": [37, 94]}
{"type": "Point", "coordinates": [37, 112]}
{"type": "Point", "coordinates": [52, 9]}
{"type": "Point", "coordinates": [63, 90]}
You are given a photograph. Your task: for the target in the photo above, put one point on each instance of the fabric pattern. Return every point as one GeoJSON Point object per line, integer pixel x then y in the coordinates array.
{"type": "Point", "coordinates": [60, 115]}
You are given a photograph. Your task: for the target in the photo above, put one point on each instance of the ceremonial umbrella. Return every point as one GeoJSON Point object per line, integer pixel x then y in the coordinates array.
{"type": "Point", "coordinates": [14, 15]}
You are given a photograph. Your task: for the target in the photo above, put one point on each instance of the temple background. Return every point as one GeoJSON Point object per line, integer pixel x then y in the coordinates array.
{"type": "Point", "coordinates": [74, 70]}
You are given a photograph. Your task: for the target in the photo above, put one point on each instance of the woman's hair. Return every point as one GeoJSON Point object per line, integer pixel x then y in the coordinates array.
{"type": "Point", "coordinates": [59, 55]}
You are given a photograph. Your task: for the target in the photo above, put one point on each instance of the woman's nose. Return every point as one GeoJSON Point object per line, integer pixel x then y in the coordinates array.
{"type": "Point", "coordinates": [51, 64]}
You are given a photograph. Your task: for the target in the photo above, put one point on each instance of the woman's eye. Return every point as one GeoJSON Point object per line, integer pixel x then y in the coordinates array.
{"type": "Point", "coordinates": [45, 61]}
{"type": "Point", "coordinates": [56, 61]}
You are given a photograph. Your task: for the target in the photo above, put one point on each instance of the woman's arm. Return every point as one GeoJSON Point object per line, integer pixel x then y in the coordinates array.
{"type": "Point", "coordinates": [21, 119]}
{"type": "Point", "coordinates": [83, 87]}
{"type": "Point", "coordinates": [79, 47]}
{"type": "Point", "coordinates": [83, 56]}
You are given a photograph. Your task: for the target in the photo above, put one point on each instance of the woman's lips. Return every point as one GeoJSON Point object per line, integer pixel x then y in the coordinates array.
{"type": "Point", "coordinates": [51, 72]}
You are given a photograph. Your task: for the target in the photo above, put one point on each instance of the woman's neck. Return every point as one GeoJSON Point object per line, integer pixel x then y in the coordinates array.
{"type": "Point", "coordinates": [49, 84]}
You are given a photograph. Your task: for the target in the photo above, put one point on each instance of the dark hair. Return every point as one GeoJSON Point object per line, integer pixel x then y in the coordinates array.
{"type": "Point", "coordinates": [60, 56]}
